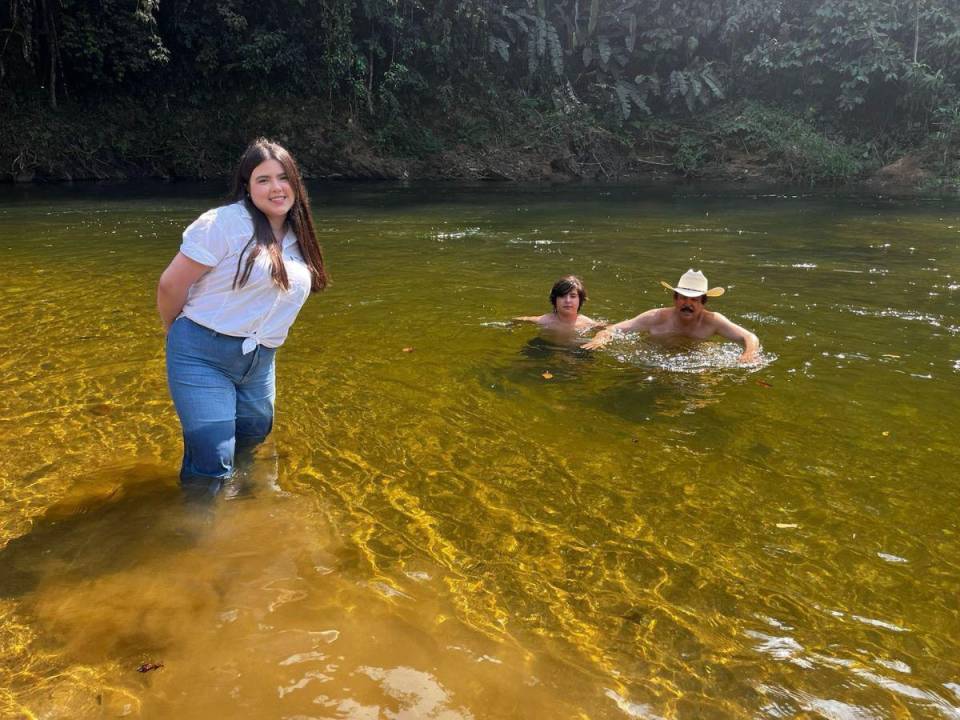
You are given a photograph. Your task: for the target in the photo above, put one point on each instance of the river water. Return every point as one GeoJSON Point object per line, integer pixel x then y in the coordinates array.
{"type": "Point", "coordinates": [436, 528]}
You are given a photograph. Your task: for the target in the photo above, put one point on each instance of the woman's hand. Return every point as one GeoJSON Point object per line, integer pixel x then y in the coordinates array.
{"type": "Point", "coordinates": [174, 285]}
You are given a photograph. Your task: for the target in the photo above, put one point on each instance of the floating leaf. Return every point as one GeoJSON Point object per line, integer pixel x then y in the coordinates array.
{"type": "Point", "coordinates": [148, 666]}
{"type": "Point", "coordinates": [408, 349]}
{"type": "Point", "coordinates": [886, 433]}
{"type": "Point", "coordinates": [787, 526]}
{"type": "Point", "coordinates": [764, 383]}
{"type": "Point", "coordinates": [101, 409]}
{"type": "Point", "coordinates": [546, 375]}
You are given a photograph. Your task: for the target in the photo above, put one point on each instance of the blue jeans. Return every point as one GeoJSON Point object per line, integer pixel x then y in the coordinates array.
{"type": "Point", "coordinates": [223, 397]}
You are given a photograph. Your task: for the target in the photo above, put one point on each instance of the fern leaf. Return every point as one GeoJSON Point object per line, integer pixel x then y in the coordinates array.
{"type": "Point", "coordinates": [624, 96]}
{"type": "Point", "coordinates": [501, 47]}
{"type": "Point", "coordinates": [712, 83]}
{"type": "Point", "coordinates": [677, 87]}
{"type": "Point", "coordinates": [694, 93]}
{"type": "Point", "coordinates": [603, 45]}
{"type": "Point", "coordinates": [637, 96]}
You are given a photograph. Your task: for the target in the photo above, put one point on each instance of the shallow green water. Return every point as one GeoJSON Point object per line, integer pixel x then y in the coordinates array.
{"type": "Point", "coordinates": [443, 532]}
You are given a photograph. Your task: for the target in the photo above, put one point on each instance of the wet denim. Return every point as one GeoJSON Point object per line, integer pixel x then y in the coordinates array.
{"type": "Point", "coordinates": [223, 397]}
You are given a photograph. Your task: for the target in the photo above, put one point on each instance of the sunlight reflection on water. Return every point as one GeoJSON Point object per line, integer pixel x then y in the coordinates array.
{"type": "Point", "coordinates": [459, 518]}
{"type": "Point", "coordinates": [699, 359]}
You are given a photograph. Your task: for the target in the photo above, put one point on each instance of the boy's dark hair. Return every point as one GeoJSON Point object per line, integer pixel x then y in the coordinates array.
{"type": "Point", "coordinates": [565, 285]}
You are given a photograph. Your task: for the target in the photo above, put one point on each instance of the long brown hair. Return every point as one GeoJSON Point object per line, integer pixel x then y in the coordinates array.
{"type": "Point", "coordinates": [299, 217]}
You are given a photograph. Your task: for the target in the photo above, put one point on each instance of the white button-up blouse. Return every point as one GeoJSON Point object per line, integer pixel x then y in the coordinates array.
{"type": "Point", "coordinates": [260, 311]}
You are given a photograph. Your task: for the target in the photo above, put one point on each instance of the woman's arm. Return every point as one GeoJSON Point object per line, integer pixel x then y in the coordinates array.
{"type": "Point", "coordinates": [174, 285]}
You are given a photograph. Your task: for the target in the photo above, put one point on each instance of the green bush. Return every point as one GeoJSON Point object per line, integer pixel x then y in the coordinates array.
{"type": "Point", "coordinates": [690, 155]}
{"type": "Point", "coordinates": [404, 139]}
{"type": "Point", "coordinates": [791, 143]}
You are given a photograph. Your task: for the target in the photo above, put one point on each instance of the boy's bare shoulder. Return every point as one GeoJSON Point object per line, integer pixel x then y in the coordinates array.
{"type": "Point", "coordinates": [538, 319]}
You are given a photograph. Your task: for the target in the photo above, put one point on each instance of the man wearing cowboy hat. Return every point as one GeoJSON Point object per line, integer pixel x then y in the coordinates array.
{"type": "Point", "coordinates": [687, 318]}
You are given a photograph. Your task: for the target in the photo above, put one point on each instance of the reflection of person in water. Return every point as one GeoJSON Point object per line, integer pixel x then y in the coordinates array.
{"type": "Point", "coordinates": [687, 318]}
{"type": "Point", "coordinates": [567, 297]}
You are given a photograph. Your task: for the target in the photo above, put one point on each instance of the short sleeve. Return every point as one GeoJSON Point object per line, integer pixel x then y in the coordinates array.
{"type": "Point", "coordinates": [208, 239]}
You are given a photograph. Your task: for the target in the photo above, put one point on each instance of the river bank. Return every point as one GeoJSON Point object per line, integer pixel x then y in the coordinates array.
{"type": "Point", "coordinates": [122, 139]}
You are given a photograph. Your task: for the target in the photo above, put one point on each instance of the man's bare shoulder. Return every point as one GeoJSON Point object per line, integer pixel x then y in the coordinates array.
{"type": "Point", "coordinates": [655, 316]}
{"type": "Point", "coordinates": [642, 322]}
{"type": "Point", "coordinates": [728, 328]}
{"type": "Point", "coordinates": [712, 318]}
{"type": "Point", "coordinates": [719, 322]}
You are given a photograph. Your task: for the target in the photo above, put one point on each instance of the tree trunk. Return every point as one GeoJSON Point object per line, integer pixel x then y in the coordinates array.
{"type": "Point", "coordinates": [370, 83]}
{"type": "Point", "coordinates": [49, 26]}
{"type": "Point", "coordinates": [916, 31]}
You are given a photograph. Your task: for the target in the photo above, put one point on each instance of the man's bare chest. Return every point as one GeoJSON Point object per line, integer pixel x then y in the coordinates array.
{"type": "Point", "coordinates": [667, 330]}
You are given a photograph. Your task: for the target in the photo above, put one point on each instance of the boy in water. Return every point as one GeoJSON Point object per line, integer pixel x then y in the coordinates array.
{"type": "Point", "coordinates": [567, 297]}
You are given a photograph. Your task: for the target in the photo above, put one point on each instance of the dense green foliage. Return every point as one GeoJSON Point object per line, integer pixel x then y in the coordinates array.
{"type": "Point", "coordinates": [786, 141]}
{"type": "Point", "coordinates": [868, 69]}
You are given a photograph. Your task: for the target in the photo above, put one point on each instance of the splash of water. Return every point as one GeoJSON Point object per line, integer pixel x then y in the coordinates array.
{"type": "Point", "coordinates": [702, 358]}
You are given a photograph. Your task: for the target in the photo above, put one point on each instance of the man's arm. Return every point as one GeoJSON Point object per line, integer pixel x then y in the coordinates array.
{"type": "Point", "coordinates": [731, 331]}
{"type": "Point", "coordinates": [643, 321]}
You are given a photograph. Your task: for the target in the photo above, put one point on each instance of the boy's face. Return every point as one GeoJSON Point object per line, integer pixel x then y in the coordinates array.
{"type": "Point", "coordinates": [570, 302]}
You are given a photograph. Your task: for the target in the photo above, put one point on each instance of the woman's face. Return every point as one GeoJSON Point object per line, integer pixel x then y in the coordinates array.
{"type": "Point", "coordinates": [271, 191]}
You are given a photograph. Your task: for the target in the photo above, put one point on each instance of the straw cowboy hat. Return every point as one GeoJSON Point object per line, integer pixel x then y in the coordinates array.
{"type": "Point", "coordinates": [693, 284]}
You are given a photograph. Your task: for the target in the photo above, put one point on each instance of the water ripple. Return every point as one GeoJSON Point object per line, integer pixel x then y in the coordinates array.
{"type": "Point", "coordinates": [908, 315]}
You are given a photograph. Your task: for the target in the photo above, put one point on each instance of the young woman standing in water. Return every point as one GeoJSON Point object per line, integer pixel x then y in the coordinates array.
{"type": "Point", "coordinates": [227, 301]}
